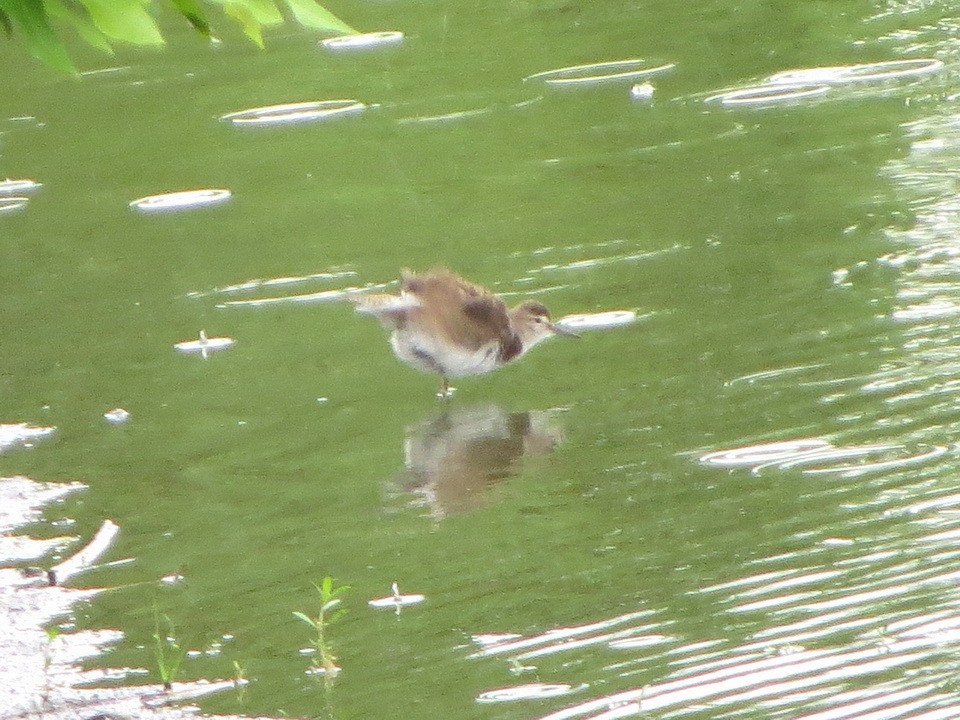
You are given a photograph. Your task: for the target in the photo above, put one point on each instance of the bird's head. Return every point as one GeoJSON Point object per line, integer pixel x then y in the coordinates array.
{"type": "Point", "coordinates": [532, 322]}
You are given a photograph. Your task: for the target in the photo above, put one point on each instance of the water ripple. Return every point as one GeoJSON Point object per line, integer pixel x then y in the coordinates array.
{"type": "Point", "coordinates": [808, 453]}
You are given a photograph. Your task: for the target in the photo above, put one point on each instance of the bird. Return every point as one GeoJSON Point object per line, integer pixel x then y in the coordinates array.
{"type": "Point", "coordinates": [441, 323]}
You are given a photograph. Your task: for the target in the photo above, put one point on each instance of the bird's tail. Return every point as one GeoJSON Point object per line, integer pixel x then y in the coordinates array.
{"type": "Point", "coordinates": [390, 310]}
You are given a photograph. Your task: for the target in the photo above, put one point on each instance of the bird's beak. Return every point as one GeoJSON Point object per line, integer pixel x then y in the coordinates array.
{"type": "Point", "coordinates": [561, 330]}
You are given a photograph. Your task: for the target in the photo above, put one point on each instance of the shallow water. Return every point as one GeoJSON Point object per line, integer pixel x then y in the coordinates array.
{"type": "Point", "coordinates": [742, 504]}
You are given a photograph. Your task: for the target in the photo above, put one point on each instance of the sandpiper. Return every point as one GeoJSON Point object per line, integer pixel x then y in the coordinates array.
{"type": "Point", "coordinates": [444, 324]}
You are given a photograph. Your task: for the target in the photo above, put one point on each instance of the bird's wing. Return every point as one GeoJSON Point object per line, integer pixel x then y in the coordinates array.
{"type": "Point", "coordinates": [460, 310]}
{"type": "Point", "coordinates": [488, 311]}
{"type": "Point", "coordinates": [390, 310]}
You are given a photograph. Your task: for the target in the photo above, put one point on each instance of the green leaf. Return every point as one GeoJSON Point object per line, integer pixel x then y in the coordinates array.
{"type": "Point", "coordinates": [263, 11]}
{"type": "Point", "coordinates": [81, 22]}
{"type": "Point", "coordinates": [125, 20]}
{"type": "Point", "coordinates": [311, 14]}
{"type": "Point", "coordinates": [191, 10]}
{"type": "Point", "coordinates": [308, 620]}
{"type": "Point", "coordinates": [31, 19]}
{"type": "Point", "coordinates": [242, 14]}
{"type": "Point", "coordinates": [330, 604]}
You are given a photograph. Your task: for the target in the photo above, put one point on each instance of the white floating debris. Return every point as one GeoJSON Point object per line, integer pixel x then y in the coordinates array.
{"type": "Point", "coordinates": [601, 72]}
{"type": "Point", "coordinates": [22, 434]}
{"type": "Point", "coordinates": [596, 321]}
{"type": "Point", "coordinates": [290, 113]}
{"type": "Point", "coordinates": [642, 91]}
{"type": "Point", "coordinates": [396, 600]}
{"type": "Point", "coordinates": [867, 72]}
{"type": "Point", "coordinates": [13, 187]}
{"type": "Point", "coordinates": [364, 41]}
{"type": "Point", "coordinates": [204, 345]}
{"type": "Point", "coordinates": [184, 200]}
{"type": "Point", "coordinates": [87, 556]}
{"type": "Point", "coordinates": [518, 668]}
{"type": "Point", "coordinates": [768, 94]}
{"type": "Point", "coordinates": [532, 691]}
{"type": "Point", "coordinates": [116, 416]}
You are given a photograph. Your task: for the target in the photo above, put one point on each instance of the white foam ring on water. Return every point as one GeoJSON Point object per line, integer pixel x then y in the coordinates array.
{"type": "Point", "coordinates": [12, 187]}
{"type": "Point", "coordinates": [598, 320]}
{"type": "Point", "coordinates": [601, 72]}
{"type": "Point", "coordinates": [804, 453]}
{"type": "Point", "coordinates": [767, 94]}
{"type": "Point", "coordinates": [13, 204]}
{"type": "Point", "coordinates": [806, 83]}
{"type": "Point", "coordinates": [293, 113]}
{"type": "Point", "coordinates": [866, 72]}
{"type": "Point", "coordinates": [182, 200]}
{"type": "Point", "coordinates": [364, 41]}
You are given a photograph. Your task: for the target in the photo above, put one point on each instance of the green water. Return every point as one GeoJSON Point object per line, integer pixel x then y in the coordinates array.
{"type": "Point", "coordinates": [811, 241]}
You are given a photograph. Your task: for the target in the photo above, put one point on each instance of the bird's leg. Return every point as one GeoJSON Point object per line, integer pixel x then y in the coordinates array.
{"type": "Point", "coordinates": [445, 390]}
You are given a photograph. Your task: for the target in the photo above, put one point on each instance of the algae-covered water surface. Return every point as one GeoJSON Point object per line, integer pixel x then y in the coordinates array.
{"type": "Point", "coordinates": [736, 497]}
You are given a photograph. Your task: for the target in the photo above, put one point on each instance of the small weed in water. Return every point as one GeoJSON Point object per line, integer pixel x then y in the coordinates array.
{"type": "Point", "coordinates": [53, 632]}
{"type": "Point", "coordinates": [325, 662]}
{"type": "Point", "coordinates": [167, 653]}
{"type": "Point", "coordinates": [240, 681]}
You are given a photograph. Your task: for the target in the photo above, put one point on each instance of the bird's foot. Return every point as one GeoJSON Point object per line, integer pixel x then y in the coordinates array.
{"type": "Point", "coordinates": [446, 392]}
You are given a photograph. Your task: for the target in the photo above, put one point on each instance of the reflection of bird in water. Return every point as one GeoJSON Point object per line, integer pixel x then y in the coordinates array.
{"type": "Point", "coordinates": [441, 323]}
{"type": "Point", "coordinates": [454, 457]}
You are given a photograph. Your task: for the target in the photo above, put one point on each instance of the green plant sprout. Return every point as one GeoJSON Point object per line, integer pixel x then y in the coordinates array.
{"type": "Point", "coordinates": [325, 662]}
{"type": "Point", "coordinates": [240, 681]}
{"type": "Point", "coordinates": [52, 632]}
{"type": "Point", "coordinates": [167, 653]}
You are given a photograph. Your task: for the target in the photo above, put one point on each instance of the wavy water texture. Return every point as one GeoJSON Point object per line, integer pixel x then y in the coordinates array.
{"type": "Point", "coordinates": [840, 633]}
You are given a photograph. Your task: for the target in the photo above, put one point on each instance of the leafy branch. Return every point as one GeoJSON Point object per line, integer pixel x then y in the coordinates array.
{"type": "Point", "coordinates": [102, 23]}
